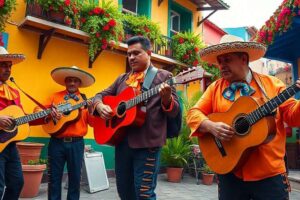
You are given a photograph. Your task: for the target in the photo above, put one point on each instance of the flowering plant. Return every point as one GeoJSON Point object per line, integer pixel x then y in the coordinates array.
{"type": "Point", "coordinates": [103, 25]}
{"type": "Point", "coordinates": [186, 48]}
{"type": "Point", "coordinates": [143, 26]}
{"type": "Point", "coordinates": [212, 69]}
{"type": "Point", "coordinates": [70, 8]}
{"type": "Point", "coordinates": [280, 21]}
{"type": "Point", "coordinates": [6, 7]}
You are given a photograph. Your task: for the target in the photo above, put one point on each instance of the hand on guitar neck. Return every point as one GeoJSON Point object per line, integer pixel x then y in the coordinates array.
{"type": "Point", "coordinates": [220, 130]}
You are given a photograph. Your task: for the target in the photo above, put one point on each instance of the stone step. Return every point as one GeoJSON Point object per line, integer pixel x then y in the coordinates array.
{"type": "Point", "coordinates": [294, 178]}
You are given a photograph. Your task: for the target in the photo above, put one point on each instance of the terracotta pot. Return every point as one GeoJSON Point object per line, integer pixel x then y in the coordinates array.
{"type": "Point", "coordinates": [207, 179]}
{"type": "Point", "coordinates": [29, 151]}
{"type": "Point", "coordinates": [174, 174]}
{"type": "Point", "coordinates": [32, 180]}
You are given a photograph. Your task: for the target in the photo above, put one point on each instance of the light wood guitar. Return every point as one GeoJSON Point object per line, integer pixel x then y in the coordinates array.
{"type": "Point", "coordinates": [253, 125]}
{"type": "Point", "coordinates": [20, 127]}
{"type": "Point", "coordinates": [128, 110]}
{"type": "Point", "coordinates": [71, 113]}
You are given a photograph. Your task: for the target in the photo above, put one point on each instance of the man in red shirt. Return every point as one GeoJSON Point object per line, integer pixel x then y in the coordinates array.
{"type": "Point", "coordinates": [11, 177]}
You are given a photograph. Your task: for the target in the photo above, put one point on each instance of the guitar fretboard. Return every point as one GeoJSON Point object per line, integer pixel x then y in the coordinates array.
{"type": "Point", "coordinates": [146, 95]}
{"type": "Point", "coordinates": [27, 118]}
{"type": "Point", "coordinates": [272, 104]}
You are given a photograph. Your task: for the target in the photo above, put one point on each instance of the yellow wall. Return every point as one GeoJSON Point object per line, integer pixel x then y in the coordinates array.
{"type": "Point", "coordinates": [33, 75]}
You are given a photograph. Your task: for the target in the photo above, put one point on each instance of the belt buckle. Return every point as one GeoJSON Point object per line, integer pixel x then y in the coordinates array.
{"type": "Point", "coordinates": [67, 139]}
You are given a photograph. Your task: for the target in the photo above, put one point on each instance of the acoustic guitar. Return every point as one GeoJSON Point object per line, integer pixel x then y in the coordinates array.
{"type": "Point", "coordinates": [19, 130]}
{"type": "Point", "coordinates": [70, 113]}
{"type": "Point", "coordinates": [128, 110]}
{"type": "Point", "coordinates": [253, 125]}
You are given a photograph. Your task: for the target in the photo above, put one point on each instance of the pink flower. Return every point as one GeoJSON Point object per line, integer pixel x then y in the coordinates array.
{"type": "Point", "coordinates": [105, 28]}
{"type": "Point", "coordinates": [2, 3]}
{"type": "Point", "coordinates": [112, 23]}
{"type": "Point", "coordinates": [67, 2]}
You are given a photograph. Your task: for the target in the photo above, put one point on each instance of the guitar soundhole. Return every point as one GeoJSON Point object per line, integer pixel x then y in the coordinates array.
{"type": "Point", "coordinates": [66, 113]}
{"type": "Point", "coordinates": [241, 126]}
{"type": "Point", "coordinates": [121, 109]}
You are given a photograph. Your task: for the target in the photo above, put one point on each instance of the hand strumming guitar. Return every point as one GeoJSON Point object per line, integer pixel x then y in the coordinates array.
{"type": "Point", "coordinates": [165, 92]}
{"type": "Point", "coordinates": [104, 111]}
{"type": "Point", "coordinates": [220, 130]}
{"type": "Point", "coordinates": [5, 121]}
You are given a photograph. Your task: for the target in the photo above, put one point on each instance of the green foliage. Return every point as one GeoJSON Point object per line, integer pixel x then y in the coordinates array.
{"type": "Point", "coordinates": [212, 69]}
{"type": "Point", "coordinates": [206, 169]}
{"type": "Point", "coordinates": [175, 153]}
{"type": "Point", "coordinates": [103, 24]}
{"type": "Point", "coordinates": [186, 48]}
{"type": "Point", "coordinates": [6, 7]}
{"type": "Point", "coordinates": [141, 25]}
{"type": "Point", "coordinates": [37, 162]}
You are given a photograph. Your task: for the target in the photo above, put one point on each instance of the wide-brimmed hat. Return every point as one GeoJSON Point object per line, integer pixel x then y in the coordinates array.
{"type": "Point", "coordinates": [61, 73]}
{"type": "Point", "coordinates": [14, 58]}
{"type": "Point", "coordinates": [230, 44]}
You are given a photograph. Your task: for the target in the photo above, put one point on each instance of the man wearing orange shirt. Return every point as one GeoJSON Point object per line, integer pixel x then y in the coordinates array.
{"type": "Point", "coordinates": [68, 145]}
{"type": "Point", "coordinates": [263, 175]}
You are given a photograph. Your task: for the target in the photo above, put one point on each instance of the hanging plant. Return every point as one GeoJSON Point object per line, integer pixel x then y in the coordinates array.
{"type": "Point", "coordinates": [279, 23]}
{"type": "Point", "coordinates": [143, 26]}
{"type": "Point", "coordinates": [103, 24]}
{"type": "Point", "coordinates": [6, 7]}
{"type": "Point", "coordinates": [186, 48]}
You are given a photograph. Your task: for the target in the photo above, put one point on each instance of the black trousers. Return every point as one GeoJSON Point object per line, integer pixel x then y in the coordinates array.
{"type": "Point", "coordinates": [273, 188]}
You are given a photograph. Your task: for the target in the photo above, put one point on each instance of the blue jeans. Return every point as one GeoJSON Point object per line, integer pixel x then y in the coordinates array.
{"type": "Point", "coordinates": [11, 175]}
{"type": "Point", "coordinates": [60, 152]}
{"type": "Point", "coordinates": [273, 188]}
{"type": "Point", "coordinates": [136, 171]}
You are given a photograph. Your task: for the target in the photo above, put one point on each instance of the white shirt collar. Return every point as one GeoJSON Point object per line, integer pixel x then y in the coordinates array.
{"type": "Point", "coordinates": [249, 77]}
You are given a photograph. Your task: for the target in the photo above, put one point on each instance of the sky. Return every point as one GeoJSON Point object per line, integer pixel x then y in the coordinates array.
{"type": "Point", "coordinates": [244, 13]}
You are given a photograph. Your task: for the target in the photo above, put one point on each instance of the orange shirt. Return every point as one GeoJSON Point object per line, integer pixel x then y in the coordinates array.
{"type": "Point", "coordinates": [267, 159]}
{"type": "Point", "coordinates": [77, 128]}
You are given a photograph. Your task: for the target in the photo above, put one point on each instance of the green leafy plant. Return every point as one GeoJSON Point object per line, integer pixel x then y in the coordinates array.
{"type": "Point", "coordinates": [141, 25]}
{"type": "Point", "coordinates": [186, 48]}
{"type": "Point", "coordinates": [175, 153]}
{"type": "Point", "coordinates": [103, 24]}
{"type": "Point", "coordinates": [212, 69]}
{"type": "Point", "coordinates": [206, 169]}
{"type": "Point", "coordinates": [6, 7]}
{"type": "Point", "coordinates": [37, 162]}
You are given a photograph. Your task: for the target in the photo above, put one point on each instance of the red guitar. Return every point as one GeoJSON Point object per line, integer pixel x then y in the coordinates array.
{"type": "Point", "coordinates": [127, 108]}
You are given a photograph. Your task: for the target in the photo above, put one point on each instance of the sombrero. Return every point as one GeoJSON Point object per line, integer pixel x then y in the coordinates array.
{"type": "Point", "coordinates": [14, 58]}
{"type": "Point", "coordinates": [61, 73]}
{"type": "Point", "coordinates": [230, 44]}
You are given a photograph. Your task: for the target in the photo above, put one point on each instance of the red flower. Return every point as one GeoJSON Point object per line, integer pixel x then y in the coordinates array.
{"type": "Point", "coordinates": [120, 38]}
{"type": "Point", "coordinates": [1, 40]}
{"type": "Point", "coordinates": [83, 20]}
{"type": "Point", "coordinates": [98, 11]}
{"type": "Point", "coordinates": [51, 7]}
{"type": "Point", "coordinates": [2, 3]}
{"type": "Point", "coordinates": [104, 46]}
{"type": "Point", "coordinates": [112, 23]}
{"type": "Point", "coordinates": [106, 15]}
{"type": "Point", "coordinates": [98, 35]}
{"type": "Point", "coordinates": [147, 30]}
{"type": "Point", "coordinates": [195, 63]}
{"type": "Point", "coordinates": [68, 21]}
{"type": "Point", "coordinates": [67, 2]}
{"type": "Point", "coordinates": [185, 56]}
{"type": "Point", "coordinates": [196, 49]}
{"type": "Point", "coordinates": [105, 28]}
{"type": "Point", "coordinates": [104, 41]}
{"type": "Point", "coordinates": [181, 40]}
{"type": "Point", "coordinates": [189, 51]}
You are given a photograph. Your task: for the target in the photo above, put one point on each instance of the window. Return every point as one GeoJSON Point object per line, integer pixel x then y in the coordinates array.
{"type": "Point", "coordinates": [130, 6]}
{"type": "Point", "coordinates": [175, 22]}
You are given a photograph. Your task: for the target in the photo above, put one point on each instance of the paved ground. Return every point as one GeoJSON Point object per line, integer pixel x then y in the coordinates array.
{"type": "Point", "coordinates": [187, 190]}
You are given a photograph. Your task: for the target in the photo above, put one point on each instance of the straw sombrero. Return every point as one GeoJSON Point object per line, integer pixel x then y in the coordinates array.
{"type": "Point", "coordinates": [230, 44]}
{"type": "Point", "coordinates": [61, 73]}
{"type": "Point", "coordinates": [14, 58]}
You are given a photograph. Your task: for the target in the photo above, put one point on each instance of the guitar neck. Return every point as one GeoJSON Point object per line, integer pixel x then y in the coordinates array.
{"type": "Point", "coordinates": [146, 95]}
{"type": "Point", "coordinates": [272, 104]}
{"type": "Point", "coordinates": [31, 117]}
{"type": "Point", "coordinates": [77, 106]}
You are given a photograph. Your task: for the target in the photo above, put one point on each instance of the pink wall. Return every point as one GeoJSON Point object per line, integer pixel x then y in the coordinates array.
{"type": "Point", "coordinates": [212, 33]}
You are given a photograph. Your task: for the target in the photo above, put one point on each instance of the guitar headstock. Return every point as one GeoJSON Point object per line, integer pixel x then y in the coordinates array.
{"type": "Point", "coordinates": [192, 74]}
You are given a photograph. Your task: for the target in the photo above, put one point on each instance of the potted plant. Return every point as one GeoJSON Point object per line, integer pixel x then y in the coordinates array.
{"type": "Point", "coordinates": [185, 47]}
{"type": "Point", "coordinates": [62, 11]}
{"type": "Point", "coordinates": [6, 7]}
{"type": "Point", "coordinates": [32, 173]}
{"type": "Point", "coordinates": [29, 151]}
{"type": "Point", "coordinates": [141, 25]}
{"type": "Point", "coordinates": [174, 156]}
{"type": "Point", "coordinates": [207, 175]}
{"type": "Point", "coordinates": [103, 24]}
